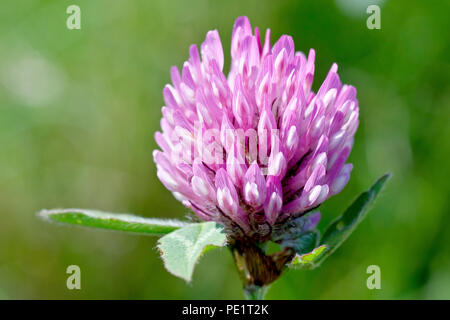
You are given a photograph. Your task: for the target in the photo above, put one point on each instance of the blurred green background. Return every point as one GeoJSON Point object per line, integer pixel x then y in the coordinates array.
{"type": "Point", "coordinates": [78, 110]}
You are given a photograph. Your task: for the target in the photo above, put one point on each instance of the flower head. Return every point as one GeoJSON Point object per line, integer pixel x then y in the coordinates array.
{"type": "Point", "coordinates": [257, 147]}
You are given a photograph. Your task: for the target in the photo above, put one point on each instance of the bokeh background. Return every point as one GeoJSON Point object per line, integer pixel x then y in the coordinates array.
{"type": "Point", "coordinates": [78, 110]}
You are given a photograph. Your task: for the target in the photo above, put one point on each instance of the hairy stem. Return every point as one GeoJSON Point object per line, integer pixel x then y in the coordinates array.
{"type": "Point", "coordinates": [256, 269]}
{"type": "Point", "coordinates": [255, 292]}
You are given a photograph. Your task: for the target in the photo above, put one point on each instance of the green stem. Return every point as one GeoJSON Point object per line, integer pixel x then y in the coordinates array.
{"type": "Point", "coordinates": [255, 292]}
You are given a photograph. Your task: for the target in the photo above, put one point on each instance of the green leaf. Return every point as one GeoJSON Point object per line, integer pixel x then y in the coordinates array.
{"type": "Point", "coordinates": [295, 228]}
{"type": "Point", "coordinates": [306, 242]}
{"type": "Point", "coordinates": [339, 230]}
{"type": "Point", "coordinates": [111, 221]}
{"type": "Point", "coordinates": [181, 249]}
{"type": "Point", "coordinates": [309, 260]}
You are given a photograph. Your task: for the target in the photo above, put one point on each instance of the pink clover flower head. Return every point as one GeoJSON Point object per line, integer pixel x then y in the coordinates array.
{"type": "Point", "coordinates": [257, 147]}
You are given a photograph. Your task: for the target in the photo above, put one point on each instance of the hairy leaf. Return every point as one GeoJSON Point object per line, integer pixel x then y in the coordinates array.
{"type": "Point", "coordinates": [181, 249]}
{"type": "Point", "coordinates": [308, 260]}
{"type": "Point", "coordinates": [306, 242]}
{"type": "Point", "coordinates": [112, 221]}
{"type": "Point", "coordinates": [293, 229]}
{"type": "Point", "coordinates": [341, 228]}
